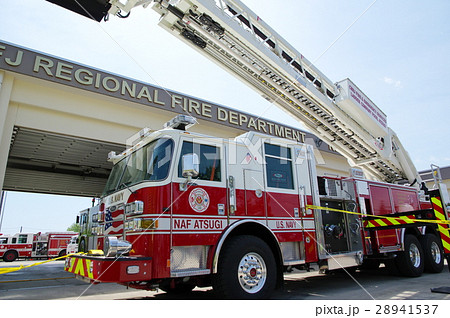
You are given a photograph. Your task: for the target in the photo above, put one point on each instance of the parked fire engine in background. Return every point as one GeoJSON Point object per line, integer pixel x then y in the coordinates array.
{"type": "Point", "coordinates": [34, 245]}
{"type": "Point", "coordinates": [88, 237]}
{"type": "Point", "coordinates": [72, 246]}
{"type": "Point", "coordinates": [198, 210]}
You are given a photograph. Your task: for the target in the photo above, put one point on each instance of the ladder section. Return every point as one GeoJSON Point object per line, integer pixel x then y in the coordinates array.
{"type": "Point", "coordinates": [230, 34]}
{"type": "Point", "coordinates": [233, 36]}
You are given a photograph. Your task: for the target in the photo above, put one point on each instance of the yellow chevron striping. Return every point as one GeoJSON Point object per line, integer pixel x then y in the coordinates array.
{"type": "Point", "coordinates": [79, 269]}
{"type": "Point", "coordinates": [380, 222]}
{"type": "Point", "coordinates": [437, 202]}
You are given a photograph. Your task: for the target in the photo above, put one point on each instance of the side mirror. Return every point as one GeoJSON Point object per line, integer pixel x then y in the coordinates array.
{"type": "Point", "coordinates": [190, 165]}
{"type": "Point", "coordinates": [78, 219]}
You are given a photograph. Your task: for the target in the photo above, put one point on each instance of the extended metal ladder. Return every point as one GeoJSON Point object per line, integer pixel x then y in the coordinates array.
{"type": "Point", "coordinates": [232, 35]}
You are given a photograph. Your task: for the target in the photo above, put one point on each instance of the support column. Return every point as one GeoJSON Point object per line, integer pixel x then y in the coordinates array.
{"type": "Point", "coordinates": [6, 121]}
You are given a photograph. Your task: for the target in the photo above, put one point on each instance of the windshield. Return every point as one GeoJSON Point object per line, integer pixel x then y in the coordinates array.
{"type": "Point", "coordinates": [149, 163]}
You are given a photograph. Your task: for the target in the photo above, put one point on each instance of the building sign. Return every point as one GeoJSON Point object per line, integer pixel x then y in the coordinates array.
{"type": "Point", "coordinates": [50, 68]}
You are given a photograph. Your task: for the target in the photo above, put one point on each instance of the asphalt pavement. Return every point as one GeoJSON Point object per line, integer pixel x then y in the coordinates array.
{"type": "Point", "coordinates": [50, 281]}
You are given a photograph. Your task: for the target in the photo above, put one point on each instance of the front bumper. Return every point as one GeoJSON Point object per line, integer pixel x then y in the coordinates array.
{"type": "Point", "coordinates": [96, 269]}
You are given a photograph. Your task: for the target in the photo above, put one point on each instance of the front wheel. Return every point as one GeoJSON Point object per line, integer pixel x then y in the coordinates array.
{"type": "Point", "coordinates": [433, 253]}
{"type": "Point", "coordinates": [246, 269]}
{"type": "Point", "coordinates": [10, 256]}
{"type": "Point", "coordinates": [410, 262]}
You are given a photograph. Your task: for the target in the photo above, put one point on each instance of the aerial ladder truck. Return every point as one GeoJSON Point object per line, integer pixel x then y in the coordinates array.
{"type": "Point", "coordinates": [234, 37]}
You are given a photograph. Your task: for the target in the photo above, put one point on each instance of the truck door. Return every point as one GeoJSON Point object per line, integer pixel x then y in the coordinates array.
{"type": "Point", "coordinates": [306, 176]}
{"type": "Point", "coordinates": [198, 213]}
{"type": "Point", "coordinates": [283, 200]}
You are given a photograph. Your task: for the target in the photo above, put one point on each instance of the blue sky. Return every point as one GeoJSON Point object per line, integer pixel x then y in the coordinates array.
{"type": "Point", "coordinates": [396, 53]}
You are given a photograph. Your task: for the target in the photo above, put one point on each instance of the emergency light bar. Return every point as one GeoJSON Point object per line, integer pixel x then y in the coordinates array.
{"type": "Point", "coordinates": [181, 122]}
{"type": "Point", "coordinates": [112, 156]}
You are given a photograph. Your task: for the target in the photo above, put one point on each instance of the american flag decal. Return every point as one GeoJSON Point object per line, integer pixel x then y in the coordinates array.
{"type": "Point", "coordinates": [247, 158]}
{"type": "Point", "coordinates": [113, 221]}
{"type": "Point", "coordinates": [108, 216]}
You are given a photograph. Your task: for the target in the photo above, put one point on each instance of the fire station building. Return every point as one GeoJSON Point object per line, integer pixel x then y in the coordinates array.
{"type": "Point", "coordinates": [59, 120]}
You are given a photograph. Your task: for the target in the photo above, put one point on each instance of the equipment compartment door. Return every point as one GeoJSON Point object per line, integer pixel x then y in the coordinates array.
{"type": "Point", "coordinates": [381, 204]}
{"type": "Point", "coordinates": [334, 226]}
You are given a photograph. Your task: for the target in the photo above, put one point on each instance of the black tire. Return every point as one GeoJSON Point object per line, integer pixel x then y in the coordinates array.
{"type": "Point", "coordinates": [246, 269]}
{"type": "Point", "coordinates": [433, 253]}
{"type": "Point", "coordinates": [82, 247]}
{"type": "Point", "coordinates": [62, 253]}
{"type": "Point", "coordinates": [410, 262]}
{"type": "Point", "coordinates": [10, 256]}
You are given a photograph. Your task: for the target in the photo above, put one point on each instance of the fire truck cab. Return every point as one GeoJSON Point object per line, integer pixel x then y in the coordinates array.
{"type": "Point", "coordinates": [15, 246]}
{"type": "Point", "coordinates": [5, 239]}
{"type": "Point", "coordinates": [72, 246]}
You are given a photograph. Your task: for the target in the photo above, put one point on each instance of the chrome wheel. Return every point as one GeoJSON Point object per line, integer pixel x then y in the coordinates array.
{"type": "Point", "coordinates": [435, 252]}
{"type": "Point", "coordinates": [414, 255]}
{"type": "Point", "coordinates": [252, 273]}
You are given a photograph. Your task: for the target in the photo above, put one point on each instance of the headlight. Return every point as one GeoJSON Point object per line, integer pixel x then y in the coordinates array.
{"type": "Point", "coordinates": [138, 224]}
{"type": "Point", "coordinates": [145, 224]}
{"type": "Point", "coordinates": [115, 247]}
{"type": "Point", "coordinates": [136, 207]}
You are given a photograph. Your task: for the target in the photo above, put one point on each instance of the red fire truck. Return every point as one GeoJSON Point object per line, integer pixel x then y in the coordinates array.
{"type": "Point", "coordinates": [198, 210]}
{"type": "Point", "coordinates": [90, 231]}
{"type": "Point", "coordinates": [31, 245]}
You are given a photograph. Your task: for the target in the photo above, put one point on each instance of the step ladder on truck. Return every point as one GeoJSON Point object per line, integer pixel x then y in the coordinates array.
{"type": "Point", "coordinates": [193, 216]}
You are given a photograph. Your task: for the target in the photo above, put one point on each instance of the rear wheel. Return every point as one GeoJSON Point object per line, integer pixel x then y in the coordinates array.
{"type": "Point", "coordinates": [10, 256]}
{"type": "Point", "coordinates": [410, 262]}
{"type": "Point", "coordinates": [432, 253]}
{"type": "Point", "coordinates": [246, 269]}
